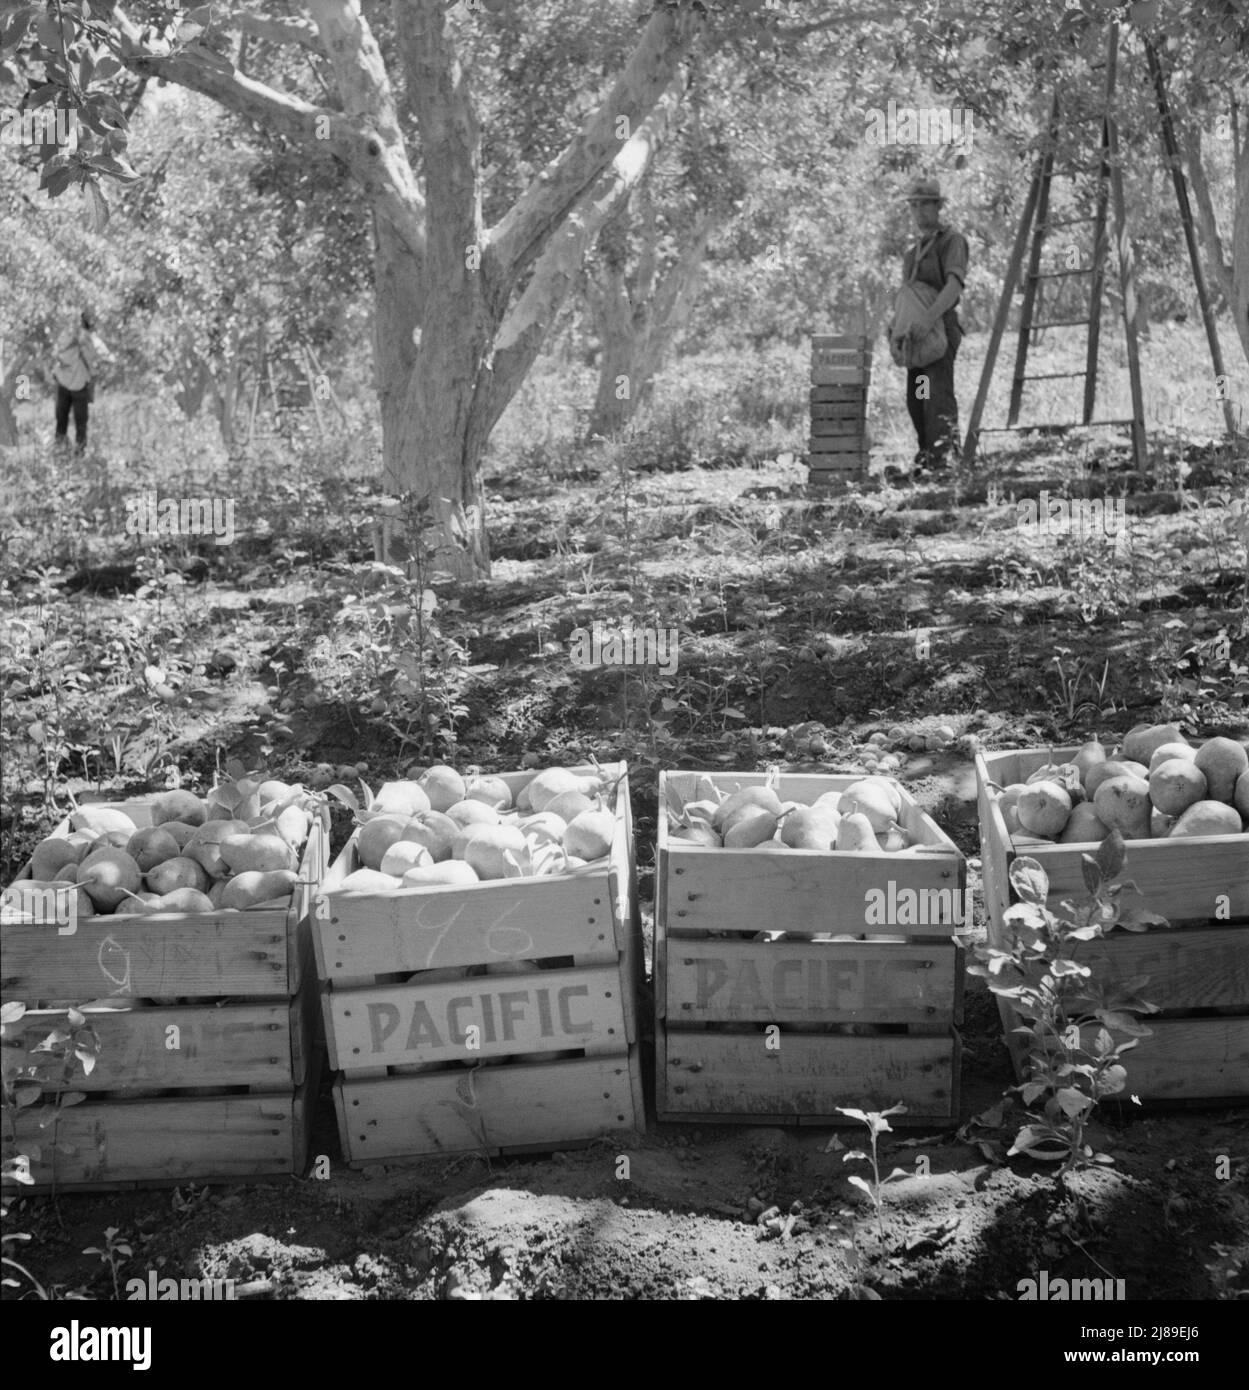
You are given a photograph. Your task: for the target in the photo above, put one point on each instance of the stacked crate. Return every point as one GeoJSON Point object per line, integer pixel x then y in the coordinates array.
{"type": "Point", "coordinates": [1196, 969]}
{"type": "Point", "coordinates": [761, 1018]}
{"type": "Point", "coordinates": [495, 1018]}
{"type": "Point", "coordinates": [841, 367]}
{"type": "Point", "coordinates": [207, 1031]}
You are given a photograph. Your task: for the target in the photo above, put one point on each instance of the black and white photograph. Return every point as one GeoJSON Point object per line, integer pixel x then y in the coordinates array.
{"type": "Point", "coordinates": [624, 670]}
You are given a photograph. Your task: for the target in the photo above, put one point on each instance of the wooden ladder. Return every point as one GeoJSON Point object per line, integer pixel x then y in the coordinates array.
{"type": "Point", "coordinates": [1037, 222]}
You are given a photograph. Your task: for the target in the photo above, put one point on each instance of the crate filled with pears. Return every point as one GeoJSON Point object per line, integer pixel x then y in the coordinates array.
{"type": "Point", "coordinates": [1182, 808]}
{"type": "Point", "coordinates": [808, 950]}
{"type": "Point", "coordinates": [480, 947]}
{"type": "Point", "coordinates": [161, 1020]}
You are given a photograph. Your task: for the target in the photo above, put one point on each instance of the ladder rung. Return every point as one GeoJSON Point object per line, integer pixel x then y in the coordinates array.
{"type": "Point", "coordinates": [1050, 376]}
{"type": "Point", "coordinates": [1058, 274]}
{"type": "Point", "coordinates": [1053, 428]}
{"type": "Point", "coordinates": [1062, 323]}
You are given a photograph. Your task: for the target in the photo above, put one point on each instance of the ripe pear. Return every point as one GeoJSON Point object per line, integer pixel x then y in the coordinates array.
{"type": "Point", "coordinates": [1207, 818]}
{"type": "Point", "coordinates": [183, 900]}
{"type": "Point", "coordinates": [276, 795]}
{"type": "Point", "coordinates": [1139, 743]}
{"type": "Point", "coordinates": [180, 872]}
{"type": "Point", "coordinates": [368, 881]}
{"type": "Point", "coordinates": [256, 853]}
{"type": "Point", "coordinates": [102, 819]}
{"type": "Point", "coordinates": [404, 855]}
{"type": "Point", "coordinates": [138, 903]}
{"type": "Point", "coordinates": [435, 831]}
{"type": "Point", "coordinates": [1166, 751]}
{"type": "Point", "coordinates": [204, 845]}
{"type": "Point", "coordinates": [750, 828]}
{"type": "Point", "coordinates": [1159, 825]}
{"type": "Point", "coordinates": [494, 791]}
{"type": "Point", "coordinates": [700, 833]}
{"type": "Point", "coordinates": [497, 851]}
{"type": "Point", "coordinates": [1223, 761]}
{"type": "Point", "coordinates": [589, 836]}
{"type": "Point", "coordinates": [546, 786]}
{"type": "Point", "coordinates": [376, 837]}
{"type": "Point", "coordinates": [1112, 767]}
{"type": "Point", "coordinates": [893, 840]}
{"type": "Point", "coordinates": [1240, 796]}
{"type": "Point", "coordinates": [879, 803]}
{"type": "Point", "coordinates": [1087, 756]}
{"type": "Point", "coordinates": [698, 810]}
{"type": "Point", "coordinates": [1084, 827]}
{"type": "Point", "coordinates": [53, 854]}
{"type": "Point", "coordinates": [180, 806]}
{"type": "Point", "coordinates": [855, 834]}
{"type": "Point", "coordinates": [1175, 785]}
{"type": "Point", "coordinates": [1044, 809]}
{"type": "Point", "coordinates": [443, 787]}
{"type": "Point", "coordinates": [544, 827]}
{"type": "Point", "coordinates": [450, 873]}
{"type": "Point", "coordinates": [401, 799]}
{"type": "Point", "coordinates": [151, 846]}
{"type": "Point", "coordinates": [810, 828]}
{"type": "Point", "coordinates": [763, 797]}
{"type": "Point", "coordinates": [253, 887]}
{"type": "Point", "coordinates": [108, 875]}
{"type": "Point", "coordinates": [181, 832]}
{"type": "Point", "coordinates": [465, 813]}
{"type": "Point", "coordinates": [1123, 804]}
{"type": "Point", "coordinates": [568, 805]}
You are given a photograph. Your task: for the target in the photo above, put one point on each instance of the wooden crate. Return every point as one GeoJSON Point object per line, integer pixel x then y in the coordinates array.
{"type": "Point", "coordinates": [247, 1028]}
{"type": "Point", "coordinates": [1198, 967]}
{"type": "Point", "coordinates": [410, 1084]}
{"type": "Point", "coordinates": [855, 396]}
{"type": "Point", "coordinates": [719, 990]}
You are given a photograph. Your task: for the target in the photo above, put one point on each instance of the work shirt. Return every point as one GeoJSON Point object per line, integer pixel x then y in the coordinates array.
{"type": "Point", "coordinates": [945, 254]}
{"type": "Point", "coordinates": [77, 359]}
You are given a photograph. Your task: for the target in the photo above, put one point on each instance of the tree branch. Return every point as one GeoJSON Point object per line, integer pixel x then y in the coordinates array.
{"type": "Point", "coordinates": [280, 29]}
{"type": "Point", "coordinates": [521, 336]}
{"type": "Point", "coordinates": [519, 236]}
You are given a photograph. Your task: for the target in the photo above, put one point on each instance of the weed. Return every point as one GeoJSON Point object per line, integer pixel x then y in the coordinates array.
{"type": "Point", "coordinates": [1061, 1003]}
{"type": "Point", "coordinates": [877, 1123]}
{"type": "Point", "coordinates": [114, 1253]}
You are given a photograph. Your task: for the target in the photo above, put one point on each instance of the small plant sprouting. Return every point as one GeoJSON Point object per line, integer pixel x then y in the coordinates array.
{"type": "Point", "coordinates": [114, 1253]}
{"type": "Point", "coordinates": [1073, 1060]}
{"type": "Point", "coordinates": [877, 1123]}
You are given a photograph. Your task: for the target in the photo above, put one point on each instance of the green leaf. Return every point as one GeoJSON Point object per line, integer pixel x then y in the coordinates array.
{"type": "Point", "coordinates": [1029, 880]}
{"type": "Point", "coordinates": [1091, 873]}
{"type": "Point", "coordinates": [1073, 1102]}
{"type": "Point", "coordinates": [856, 1181]}
{"type": "Point", "coordinates": [26, 1095]}
{"type": "Point", "coordinates": [1110, 855]}
{"type": "Point", "coordinates": [12, 1011]}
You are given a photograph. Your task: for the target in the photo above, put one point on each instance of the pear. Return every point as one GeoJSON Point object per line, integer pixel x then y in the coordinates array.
{"type": "Point", "coordinates": [1112, 767]}
{"type": "Point", "coordinates": [856, 834]}
{"type": "Point", "coordinates": [53, 854]}
{"type": "Point", "coordinates": [404, 855]}
{"type": "Point", "coordinates": [1175, 785]}
{"type": "Point", "coordinates": [1084, 827]}
{"type": "Point", "coordinates": [400, 799]}
{"type": "Point", "coordinates": [256, 853]}
{"type": "Point", "coordinates": [589, 836]}
{"type": "Point", "coordinates": [750, 829]}
{"type": "Point", "coordinates": [700, 810]}
{"type": "Point", "coordinates": [763, 797]}
{"type": "Point", "coordinates": [1166, 751]}
{"type": "Point", "coordinates": [376, 837]}
{"type": "Point", "coordinates": [183, 900]}
{"type": "Point", "coordinates": [568, 805]}
{"type": "Point", "coordinates": [180, 831]}
{"type": "Point", "coordinates": [253, 887]}
{"type": "Point", "coordinates": [699, 833]}
{"type": "Point", "coordinates": [44, 902]}
{"type": "Point", "coordinates": [1123, 804]}
{"type": "Point", "coordinates": [879, 803]}
{"type": "Point", "coordinates": [102, 819]}
{"type": "Point", "coordinates": [497, 851]}
{"type": "Point", "coordinates": [1240, 795]}
{"type": "Point", "coordinates": [893, 840]}
{"type": "Point", "coordinates": [1223, 761]}
{"type": "Point", "coordinates": [449, 873]}
{"type": "Point", "coordinates": [180, 806]}
{"type": "Point", "coordinates": [1207, 818]}
{"type": "Point", "coordinates": [544, 827]}
{"type": "Point", "coordinates": [435, 831]}
{"type": "Point", "coordinates": [205, 845]}
{"type": "Point", "coordinates": [1087, 756]}
{"type": "Point", "coordinates": [465, 813]}
{"type": "Point", "coordinates": [1044, 808]}
{"type": "Point", "coordinates": [138, 903]}
{"type": "Point", "coordinates": [494, 791]}
{"type": "Point", "coordinates": [1139, 743]}
{"type": "Point", "coordinates": [443, 787]}
{"type": "Point", "coordinates": [151, 846]}
{"type": "Point", "coordinates": [180, 872]}
{"type": "Point", "coordinates": [809, 828]}
{"type": "Point", "coordinates": [1160, 825]}
{"type": "Point", "coordinates": [108, 875]}
{"type": "Point", "coordinates": [546, 786]}
{"type": "Point", "coordinates": [368, 881]}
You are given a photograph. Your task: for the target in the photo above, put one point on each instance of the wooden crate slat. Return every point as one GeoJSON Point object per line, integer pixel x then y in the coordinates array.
{"type": "Point", "coordinates": [839, 340]}
{"type": "Point", "coordinates": [839, 376]}
{"type": "Point", "coordinates": [839, 395]}
{"type": "Point", "coordinates": [237, 1045]}
{"type": "Point", "coordinates": [707, 1074]}
{"type": "Point", "coordinates": [837, 444]}
{"type": "Point", "coordinates": [809, 982]}
{"type": "Point", "coordinates": [853, 428]}
{"type": "Point", "coordinates": [487, 1108]}
{"type": "Point", "coordinates": [234, 1137]}
{"type": "Point", "coordinates": [543, 1011]}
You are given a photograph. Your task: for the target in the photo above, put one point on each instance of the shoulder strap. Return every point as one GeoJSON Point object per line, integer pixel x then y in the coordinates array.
{"type": "Point", "coordinates": [921, 250]}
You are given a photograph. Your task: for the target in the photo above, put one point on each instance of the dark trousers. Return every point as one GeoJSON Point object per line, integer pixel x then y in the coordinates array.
{"type": "Point", "coordinates": [78, 400]}
{"type": "Point", "coordinates": [933, 409]}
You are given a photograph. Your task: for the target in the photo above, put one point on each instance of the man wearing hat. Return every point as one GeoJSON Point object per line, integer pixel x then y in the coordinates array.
{"type": "Point", "coordinates": [939, 259]}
